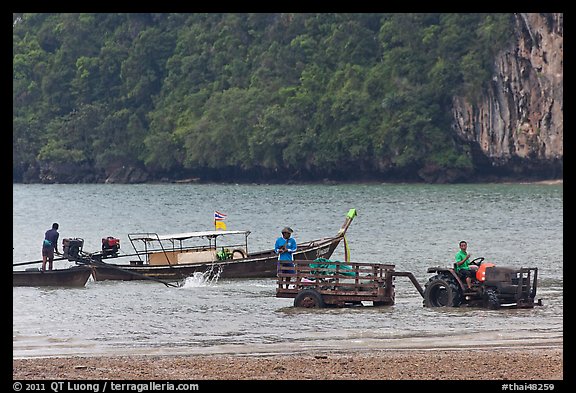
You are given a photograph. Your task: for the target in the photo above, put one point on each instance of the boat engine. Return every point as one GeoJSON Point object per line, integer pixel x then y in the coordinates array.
{"type": "Point", "coordinates": [71, 248]}
{"type": "Point", "coordinates": [110, 246]}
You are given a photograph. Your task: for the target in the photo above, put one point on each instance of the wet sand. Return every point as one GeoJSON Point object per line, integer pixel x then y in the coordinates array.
{"type": "Point", "coordinates": [516, 364]}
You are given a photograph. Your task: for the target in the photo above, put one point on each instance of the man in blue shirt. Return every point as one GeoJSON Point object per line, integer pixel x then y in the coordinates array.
{"type": "Point", "coordinates": [49, 246]}
{"type": "Point", "coordinates": [285, 246]}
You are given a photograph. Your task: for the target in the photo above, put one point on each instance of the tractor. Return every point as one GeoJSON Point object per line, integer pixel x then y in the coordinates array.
{"type": "Point", "coordinates": [492, 287]}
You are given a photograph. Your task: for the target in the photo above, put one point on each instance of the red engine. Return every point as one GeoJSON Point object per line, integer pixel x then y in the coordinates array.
{"type": "Point", "coordinates": [110, 246]}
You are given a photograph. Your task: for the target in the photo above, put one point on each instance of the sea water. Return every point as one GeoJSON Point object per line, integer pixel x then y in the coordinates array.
{"type": "Point", "coordinates": [411, 226]}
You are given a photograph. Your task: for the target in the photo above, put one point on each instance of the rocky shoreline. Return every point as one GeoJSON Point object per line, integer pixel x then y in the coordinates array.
{"type": "Point", "coordinates": [503, 364]}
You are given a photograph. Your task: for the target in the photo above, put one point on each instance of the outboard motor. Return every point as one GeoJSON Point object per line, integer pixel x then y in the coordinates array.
{"type": "Point", "coordinates": [71, 248]}
{"type": "Point", "coordinates": [110, 246]}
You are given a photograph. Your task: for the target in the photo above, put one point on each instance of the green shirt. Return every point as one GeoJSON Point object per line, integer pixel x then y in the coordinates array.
{"type": "Point", "coordinates": [460, 256]}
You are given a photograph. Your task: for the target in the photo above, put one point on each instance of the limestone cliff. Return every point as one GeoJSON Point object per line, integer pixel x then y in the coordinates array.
{"type": "Point", "coordinates": [517, 126]}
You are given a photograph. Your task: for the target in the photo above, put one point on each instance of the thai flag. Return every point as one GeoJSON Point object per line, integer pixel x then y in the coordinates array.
{"type": "Point", "coordinates": [218, 216]}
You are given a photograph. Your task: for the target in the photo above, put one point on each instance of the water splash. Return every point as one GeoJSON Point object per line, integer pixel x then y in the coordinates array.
{"type": "Point", "coordinates": [203, 279]}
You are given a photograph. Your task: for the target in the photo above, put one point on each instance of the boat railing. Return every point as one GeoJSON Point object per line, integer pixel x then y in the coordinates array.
{"type": "Point", "coordinates": [185, 248]}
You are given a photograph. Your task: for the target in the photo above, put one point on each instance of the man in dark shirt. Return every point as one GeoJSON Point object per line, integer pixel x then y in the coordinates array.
{"type": "Point", "coordinates": [49, 246]}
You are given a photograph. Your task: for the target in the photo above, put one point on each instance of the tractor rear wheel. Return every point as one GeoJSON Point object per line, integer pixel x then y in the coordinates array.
{"type": "Point", "coordinates": [442, 291]}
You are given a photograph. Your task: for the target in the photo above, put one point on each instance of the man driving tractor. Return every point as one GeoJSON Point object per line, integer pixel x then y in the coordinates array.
{"type": "Point", "coordinates": [463, 266]}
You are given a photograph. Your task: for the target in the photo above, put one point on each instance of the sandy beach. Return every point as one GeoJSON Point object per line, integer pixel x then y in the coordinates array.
{"type": "Point", "coordinates": [520, 364]}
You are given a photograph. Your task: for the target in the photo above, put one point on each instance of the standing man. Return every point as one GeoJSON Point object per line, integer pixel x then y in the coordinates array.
{"type": "Point", "coordinates": [463, 267]}
{"type": "Point", "coordinates": [285, 246]}
{"type": "Point", "coordinates": [49, 246]}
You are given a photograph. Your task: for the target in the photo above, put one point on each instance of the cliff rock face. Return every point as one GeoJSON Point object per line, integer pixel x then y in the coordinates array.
{"type": "Point", "coordinates": [518, 123]}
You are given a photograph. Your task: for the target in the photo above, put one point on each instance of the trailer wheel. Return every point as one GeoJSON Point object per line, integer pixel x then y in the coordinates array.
{"type": "Point", "coordinates": [441, 291]}
{"type": "Point", "coordinates": [309, 298]}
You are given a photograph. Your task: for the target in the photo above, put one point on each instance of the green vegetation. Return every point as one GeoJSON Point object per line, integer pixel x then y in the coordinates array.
{"type": "Point", "coordinates": [255, 97]}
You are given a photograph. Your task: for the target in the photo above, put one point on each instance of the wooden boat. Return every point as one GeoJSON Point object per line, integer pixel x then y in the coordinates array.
{"type": "Point", "coordinates": [169, 258]}
{"type": "Point", "coordinates": [75, 276]}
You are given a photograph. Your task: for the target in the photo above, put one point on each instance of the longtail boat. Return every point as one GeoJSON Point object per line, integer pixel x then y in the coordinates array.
{"type": "Point", "coordinates": [171, 258]}
{"type": "Point", "coordinates": [75, 276]}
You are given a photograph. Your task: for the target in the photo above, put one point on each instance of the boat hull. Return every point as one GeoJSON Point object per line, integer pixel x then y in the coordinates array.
{"type": "Point", "coordinates": [258, 265]}
{"type": "Point", "coordinates": [76, 276]}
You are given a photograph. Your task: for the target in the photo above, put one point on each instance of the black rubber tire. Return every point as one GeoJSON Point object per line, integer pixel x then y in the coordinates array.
{"type": "Point", "coordinates": [492, 300]}
{"type": "Point", "coordinates": [442, 291]}
{"type": "Point", "coordinates": [309, 298]}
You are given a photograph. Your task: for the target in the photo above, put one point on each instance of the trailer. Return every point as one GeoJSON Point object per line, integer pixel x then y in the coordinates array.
{"type": "Point", "coordinates": [323, 283]}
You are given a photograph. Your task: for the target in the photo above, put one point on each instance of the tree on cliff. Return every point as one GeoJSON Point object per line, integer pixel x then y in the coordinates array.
{"type": "Point", "coordinates": [246, 96]}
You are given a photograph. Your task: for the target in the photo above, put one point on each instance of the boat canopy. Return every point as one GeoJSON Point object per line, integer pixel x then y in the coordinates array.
{"type": "Point", "coordinates": [185, 235]}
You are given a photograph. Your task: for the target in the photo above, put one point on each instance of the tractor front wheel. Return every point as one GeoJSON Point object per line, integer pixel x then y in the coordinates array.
{"type": "Point", "coordinates": [492, 300]}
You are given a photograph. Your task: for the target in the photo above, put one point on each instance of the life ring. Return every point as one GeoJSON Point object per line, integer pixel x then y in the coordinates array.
{"type": "Point", "coordinates": [238, 250]}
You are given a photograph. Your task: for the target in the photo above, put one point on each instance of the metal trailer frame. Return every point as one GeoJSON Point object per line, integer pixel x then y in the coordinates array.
{"type": "Point", "coordinates": [335, 283]}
